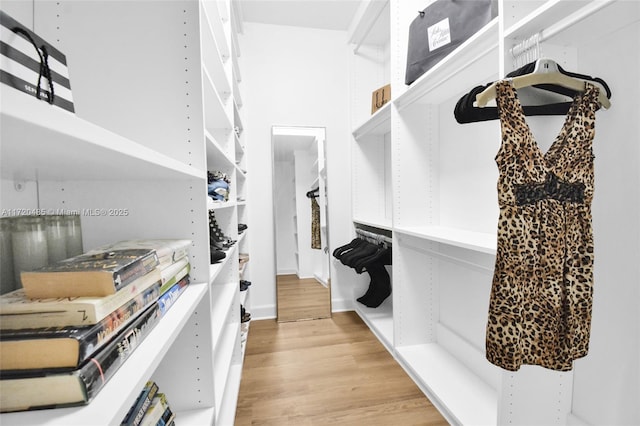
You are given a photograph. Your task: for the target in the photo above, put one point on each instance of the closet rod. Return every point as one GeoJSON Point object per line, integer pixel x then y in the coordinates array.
{"type": "Point", "coordinates": [569, 21]}
{"type": "Point", "coordinates": [378, 237]}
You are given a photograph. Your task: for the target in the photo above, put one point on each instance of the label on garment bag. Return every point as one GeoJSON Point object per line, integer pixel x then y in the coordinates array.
{"type": "Point", "coordinates": [439, 34]}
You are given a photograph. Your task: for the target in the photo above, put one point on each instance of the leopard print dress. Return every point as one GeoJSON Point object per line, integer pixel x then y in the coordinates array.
{"type": "Point", "coordinates": [541, 296]}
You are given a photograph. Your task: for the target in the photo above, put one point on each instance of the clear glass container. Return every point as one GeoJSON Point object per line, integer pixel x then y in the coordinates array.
{"type": "Point", "coordinates": [74, 235]}
{"type": "Point", "coordinates": [56, 237]}
{"type": "Point", "coordinates": [29, 244]}
{"type": "Point", "coordinates": [7, 277]}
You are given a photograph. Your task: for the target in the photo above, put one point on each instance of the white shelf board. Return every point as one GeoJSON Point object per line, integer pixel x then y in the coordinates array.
{"type": "Point", "coordinates": [546, 16]}
{"type": "Point", "coordinates": [212, 59]}
{"type": "Point", "coordinates": [379, 320]}
{"type": "Point", "coordinates": [223, 10]}
{"type": "Point", "coordinates": [236, 69]}
{"type": "Point", "coordinates": [243, 296]}
{"type": "Point", "coordinates": [214, 270]}
{"type": "Point", "coordinates": [378, 124]}
{"type": "Point", "coordinates": [216, 21]}
{"type": "Point", "coordinates": [376, 223]}
{"type": "Point", "coordinates": [236, 94]}
{"type": "Point", "coordinates": [116, 396]}
{"type": "Point", "coordinates": [216, 156]}
{"type": "Point", "coordinates": [215, 205]}
{"type": "Point", "coordinates": [460, 395]}
{"type": "Point", "coordinates": [237, 120]}
{"type": "Point", "coordinates": [469, 62]}
{"type": "Point", "coordinates": [223, 356]}
{"type": "Point", "coordinates": [215, 114]}
{"type": "Point", "coordinates": [48, 143]}
{"type": "Point", "coordinates": [370, 25]}
{"type": "Point", "coordinates": [477, 241]}
{"type": "Point", "coordinates": [222, 297]}
{"type": "Point", "coordinates": [203, 416]}
{"type": "Point", "coordinates": [227, 412]}
{"type": "Point", "coordinates": [239, 147]}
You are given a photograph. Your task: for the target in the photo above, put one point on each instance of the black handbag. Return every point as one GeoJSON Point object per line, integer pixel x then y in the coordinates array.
{"type": "Point", "coordinates": [440, 28]}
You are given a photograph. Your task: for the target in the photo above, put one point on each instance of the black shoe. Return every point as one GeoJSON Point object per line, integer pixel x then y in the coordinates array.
{"type": "Point", "coordinates": [244, 315]}
{"type": "Point", "coordinates": [216, 255]}
{"type": "Point", "coordinates": [244, 284]}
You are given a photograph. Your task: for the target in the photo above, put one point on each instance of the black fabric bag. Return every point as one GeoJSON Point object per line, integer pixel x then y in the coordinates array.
{"type": "Point", "coordinates": [440, 28]}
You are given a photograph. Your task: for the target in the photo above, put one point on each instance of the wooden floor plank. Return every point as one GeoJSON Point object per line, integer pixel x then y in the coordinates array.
{"type": "Point", "coordinates": [326, 372]}
{"type": "Point", "coordinates": [301, 299]}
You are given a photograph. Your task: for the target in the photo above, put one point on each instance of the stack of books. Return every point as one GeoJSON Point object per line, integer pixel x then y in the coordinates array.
{"type": "Point", "coordinates": [75, 322]}
{"type": "Point", "coordinates": [151, 408]}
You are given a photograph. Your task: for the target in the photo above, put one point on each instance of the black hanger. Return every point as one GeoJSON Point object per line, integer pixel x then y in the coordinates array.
{"type": "Point", "coordinates": [314, 193]}
{"type": "Point", "coordinates": [466, 112]}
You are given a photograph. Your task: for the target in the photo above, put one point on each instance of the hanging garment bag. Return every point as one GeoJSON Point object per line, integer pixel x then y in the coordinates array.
{"type": "Point", "coordinates": [440, 28]}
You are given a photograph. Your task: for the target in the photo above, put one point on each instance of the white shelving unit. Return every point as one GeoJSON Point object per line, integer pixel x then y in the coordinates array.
{"type": "Point", "coordinates": [431, 182]}
{"type": "Point", "coordinates": [142, 140]}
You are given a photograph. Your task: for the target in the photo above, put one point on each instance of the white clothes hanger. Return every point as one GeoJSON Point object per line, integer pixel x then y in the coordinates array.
{"type": "Point", "coordinates": [545, 72]}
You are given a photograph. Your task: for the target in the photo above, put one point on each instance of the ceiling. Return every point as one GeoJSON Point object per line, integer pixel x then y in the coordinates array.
{"type": "Point", "coordinates": [322, 14]}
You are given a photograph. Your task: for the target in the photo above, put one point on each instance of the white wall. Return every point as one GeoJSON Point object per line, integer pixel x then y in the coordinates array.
{"type": "Point", "coordinates": [284, 177]}
{"type": "Point", "coordinates": [294, 77]}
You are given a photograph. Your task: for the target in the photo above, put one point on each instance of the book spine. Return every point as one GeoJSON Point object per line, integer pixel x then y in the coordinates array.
{"type": "Point", "coordinates": [69, 314]}
{"type": "Point", "coordinates": [176, 278]}
{"type": "Point", "coordinates": [169, 297]}
{"type": "Point", "coordinates": [144, 407]}
{"type": "Point", "coordinates": [135, 270]}
{"type": "Point", "coordinates": [97, 370]}
{"type": "Point", "coordinates": [102, 332]}
{"type": "Point", "coordinates": [140, 400]}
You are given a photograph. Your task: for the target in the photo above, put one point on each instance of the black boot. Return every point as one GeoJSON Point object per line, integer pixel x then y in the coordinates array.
{"type": "Point", "coordinates": [379, 287]}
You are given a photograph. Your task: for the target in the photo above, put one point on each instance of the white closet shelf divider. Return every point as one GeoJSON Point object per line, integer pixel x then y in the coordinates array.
{"type": "Point", "coordinates": [48, 143]}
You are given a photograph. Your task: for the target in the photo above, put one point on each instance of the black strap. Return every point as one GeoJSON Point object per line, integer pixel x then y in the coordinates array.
{"type": "Point", "coordinates": [44, 65]}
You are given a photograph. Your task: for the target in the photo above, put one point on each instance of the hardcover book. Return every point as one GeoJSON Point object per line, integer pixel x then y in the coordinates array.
{"type": "Point", "coordinates": [169, 297]}
{"type": "Point", "coordinates": [17, 311]}
{"type": "Point", "coordinates": [174, 273]}
{"type": "Point", "coordinates": [168, 250]}
{"type": "Point", "coordinates": [155, 411]}
{"type": "Point", "coordinates": [140, 407]}
{"type": "Point", "coordinates": [89, 274]}
{"type": "Point", "coordinates": [50, 389]}
{"type": "Point", "coordinates": [68, 347]}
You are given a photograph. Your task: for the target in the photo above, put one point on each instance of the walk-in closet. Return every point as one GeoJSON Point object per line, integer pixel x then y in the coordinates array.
{"type": "Point", "coordinates": [393, 211]}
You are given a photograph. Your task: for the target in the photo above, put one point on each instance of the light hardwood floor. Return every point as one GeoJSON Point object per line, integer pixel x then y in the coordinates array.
{"type": "Point", "coordinates": [302, 299]}
{"type": "Point", "coordinates": [326, 372]}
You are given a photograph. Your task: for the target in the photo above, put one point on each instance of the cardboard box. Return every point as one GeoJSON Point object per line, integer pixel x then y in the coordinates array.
{"type": "Point", "coordinates": [380, 97]}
